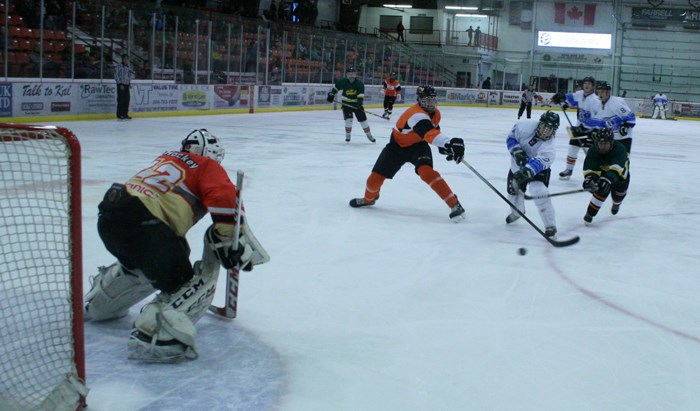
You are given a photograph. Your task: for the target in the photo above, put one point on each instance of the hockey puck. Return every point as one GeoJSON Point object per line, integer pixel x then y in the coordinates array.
{"type": "Point", "coordinates": [522, 250]}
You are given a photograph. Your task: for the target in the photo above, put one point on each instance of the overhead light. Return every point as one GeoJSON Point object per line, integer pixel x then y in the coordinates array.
{"type": "Point", "coordinates": [470, 15]}
{"type": "Point", "coordinates": [398, 6]}
{"type": "Point", "coordinates": [461, 8]}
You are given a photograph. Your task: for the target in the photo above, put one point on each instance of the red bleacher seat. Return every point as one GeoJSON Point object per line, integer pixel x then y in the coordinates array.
{"type": "Point", "coordinates": [15, 32]}
{"type": "Point", "coordinates": [16, 20]}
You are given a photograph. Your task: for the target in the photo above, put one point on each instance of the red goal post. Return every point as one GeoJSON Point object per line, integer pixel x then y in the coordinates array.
{"type": "Point", "coordinates": [42, 355]}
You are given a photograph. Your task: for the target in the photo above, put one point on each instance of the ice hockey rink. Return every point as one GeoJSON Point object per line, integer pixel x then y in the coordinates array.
{"type": "Point", "coordinates": [394, 307]}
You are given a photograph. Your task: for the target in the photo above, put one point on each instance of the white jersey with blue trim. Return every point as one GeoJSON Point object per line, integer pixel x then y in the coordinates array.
{"type": "Point", "coordinates": [613, 114]}
{"type": "Point", "coordinates": [540, 153]}
{"type": "Point", "coordinates": [583, 104]}
{"type": "Point", "coordinates": [660, 99]}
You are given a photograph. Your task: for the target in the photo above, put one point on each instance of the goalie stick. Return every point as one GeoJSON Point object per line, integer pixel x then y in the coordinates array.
{"type": "Point", "coordinates": [365, 111]}
{"type": "Point", "coordinates": [555, 243]}
{"type": "Point", "coordinates": [561, 193]}
{"type": "Point", "coordinates": [230, 309]}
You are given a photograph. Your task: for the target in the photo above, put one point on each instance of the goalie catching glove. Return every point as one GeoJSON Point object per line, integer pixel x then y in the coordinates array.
{"type": "Point", "coordinates": [454, 150]}
{"type": "Point", "coordinates": [223, 247]}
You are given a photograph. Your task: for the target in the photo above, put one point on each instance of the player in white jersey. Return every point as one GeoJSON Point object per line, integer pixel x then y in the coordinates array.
{"type": "Point", "coordinates": [531, 146]}
{"type": "Point", "coordinates": [660, 101]}
{"type": "Point", "coordinates": [583, 101]}
{"type": "Point", "coordinates": [614, 113]}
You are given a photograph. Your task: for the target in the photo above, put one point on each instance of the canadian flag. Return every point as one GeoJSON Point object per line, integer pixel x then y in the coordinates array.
{"type": "Point", "coordinates": [574, 14]}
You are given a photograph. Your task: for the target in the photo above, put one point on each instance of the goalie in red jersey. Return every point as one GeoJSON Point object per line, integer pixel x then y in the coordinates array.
{"type": "Point", "coordinates": [143, 224]}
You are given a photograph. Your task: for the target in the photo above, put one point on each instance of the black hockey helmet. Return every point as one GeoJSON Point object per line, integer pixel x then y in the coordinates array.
{"type": "Point", "coordinates": [427, 97]}
{"type": "Point", "coordinates": [547, 128]}
{"type": "Point", "coordinates": [351, 73]}
{"type": "Point", "coordinates": [603, 85]}
{"type": "Point", "coordinates": [589, 79]}
{"type": "Point", "coordinates": [603, 139]}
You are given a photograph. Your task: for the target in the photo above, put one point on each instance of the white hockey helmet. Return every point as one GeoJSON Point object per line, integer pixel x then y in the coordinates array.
{"type": "Point", "coordinates": [203, 143]}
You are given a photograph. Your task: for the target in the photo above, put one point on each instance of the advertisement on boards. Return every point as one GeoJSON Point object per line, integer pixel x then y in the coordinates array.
{"type": "Point", "coordinates": [5, 99]}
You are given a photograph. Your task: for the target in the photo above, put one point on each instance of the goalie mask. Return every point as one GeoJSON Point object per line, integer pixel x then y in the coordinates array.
{"type": "Point", "coordinates": [203, 143]}
{"type": "Point", "coordinates": [603, 139]}
{"type": "Point", "coordinates": [547, 128]}
{"type": "Point", "coordinates": [427, 98]}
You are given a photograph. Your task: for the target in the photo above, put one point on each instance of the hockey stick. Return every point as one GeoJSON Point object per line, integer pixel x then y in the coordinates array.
{"type": "Point", "coordinates": [562, 193]}
{"type": "Point", "coordinates": [232, 274]}
{"type": "Point", "coordinates": [363, 110]}
{"type": "Point", "coordinates": [551, 241]}
{"type": "Point", "coordinates": [571, 134]}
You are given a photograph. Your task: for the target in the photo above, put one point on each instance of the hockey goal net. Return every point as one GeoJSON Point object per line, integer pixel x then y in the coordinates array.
{"type": "Point", "coordinates": [647, 109]}
{"type": "Point", "coordinates": [41, 319]}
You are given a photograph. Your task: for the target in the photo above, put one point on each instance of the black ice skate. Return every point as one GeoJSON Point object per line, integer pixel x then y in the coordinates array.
{"type": "Point", "coordinates": [566, 174]}
{"type": "Point", "coordinates": [512, 217]}
{"type": "Point", "coordinates": [457, 213]}
{"type": "Point", "coordinates": [615, 209]}
{"type": "Point", "coordinates": [361, 202]}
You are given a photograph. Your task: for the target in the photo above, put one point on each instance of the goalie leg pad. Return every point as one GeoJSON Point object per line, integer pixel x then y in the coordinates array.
{"type": "Point", "coordinates": [162, 334]}
{"type": "Point", "coordinates": [164, 331]}
{"type": "Point", "coordinates": [115, 290]}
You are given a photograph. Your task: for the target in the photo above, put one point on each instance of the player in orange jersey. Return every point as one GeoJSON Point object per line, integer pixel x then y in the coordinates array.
{"type": "Point", "coordinates": [143, 224]}
{"type": "Point", "coordinates": [392, 92]}
{"type": "Point", "coordinates": [409, 143]}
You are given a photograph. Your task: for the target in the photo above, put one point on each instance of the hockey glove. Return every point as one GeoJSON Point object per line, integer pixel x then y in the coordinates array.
{"type": "Point", "coordinates": [590, 184]}
{"type": "Point", "coordinates": [454, 150]}
{"type": "Point", "coordinates": [559, 98]}
{"type": "Point", "coordinates": [330, 97]}
{"type": "Point", "coordinates": [604, 186]}
{"type": "Point", "coordinates": [524, 175]}
{"type": "Point", "coordinates": [222, 246]}
{"type": "Point", "coordinates": [520, 156]}
{"type": "Point", "coordinates": [579, 131]}
{"type": "Point", "coordinates": [624, 129]}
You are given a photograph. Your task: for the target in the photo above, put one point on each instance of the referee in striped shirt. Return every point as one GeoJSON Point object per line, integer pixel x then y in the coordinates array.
{"type": "Point", "coordinates": [123, 73]}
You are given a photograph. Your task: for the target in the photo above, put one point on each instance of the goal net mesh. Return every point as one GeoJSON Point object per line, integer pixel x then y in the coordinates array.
{"type": "Point", "coordinates": [41, 342]}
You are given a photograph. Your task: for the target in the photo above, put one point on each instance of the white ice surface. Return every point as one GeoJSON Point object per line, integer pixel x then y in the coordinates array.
{"type": "Point", "coordinates": [394, 307]}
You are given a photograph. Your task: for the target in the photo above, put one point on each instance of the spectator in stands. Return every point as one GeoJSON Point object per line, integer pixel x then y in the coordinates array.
{"type": "Point", "coordinates": [251, 56]}
{"type": "Point", "coordinates": [470, 35]}
{"type": "Point", "coordinates": [54, 16]}
{"type": "Point", "coordinates": [486, 85]}
{"type": "Point", "coordinates": [477, 36]}
{"type": "Point", "coordinates": [399, 31]}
